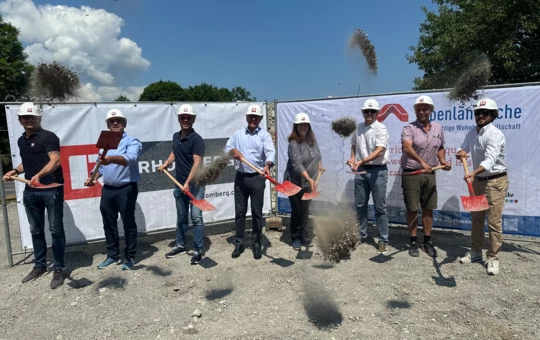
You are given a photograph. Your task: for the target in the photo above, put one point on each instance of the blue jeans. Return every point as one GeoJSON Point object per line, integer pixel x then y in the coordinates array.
{"type": "Point", "coordinates": [374, 181]}
{"type": "Point", "coordinates": [182, 211]}
{"type": "Point", "coordinates": [35, 204]}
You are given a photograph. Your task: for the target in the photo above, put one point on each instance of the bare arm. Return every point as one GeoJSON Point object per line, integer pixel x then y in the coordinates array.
{"type": "Point", "coordinates": [168, 162]}
{"type": "Point", "coordinates": [18, 170]}
{"type": "Point", "coordinates": [54, 163]}
{"type": "Point", "coordinates": [407, 146]}
{"type": "Point", "coordinates": [196, 162]}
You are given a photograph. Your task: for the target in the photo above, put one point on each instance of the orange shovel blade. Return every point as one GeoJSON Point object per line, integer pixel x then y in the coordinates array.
{"type": "Point", "coordinates": [203, 204]}
{"type": "Point", "coordinates": [310, 195]}
{"type": "Point", "coordinates": [475, 203]}
{"type": "Point", "coordinates": [287, 188]}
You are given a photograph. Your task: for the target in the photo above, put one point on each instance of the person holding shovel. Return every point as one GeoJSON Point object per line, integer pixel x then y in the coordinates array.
{"type": "Point", "coordinates": [369, 152]}
{"type": "Point", "coordinates": [187, 154]}
{"type": "Point", "coordinates": [423, 147]}
{"type": "Point", "coordinates": [255, 145]}
{"type": "Point", "coordinates": [40, 155]}
{"type": "Point", "coordinates": [487, 145]}
{"type": "Point", "coordinates": [302, 168]}
{"type": "Point", "coordinates": [120, 172]}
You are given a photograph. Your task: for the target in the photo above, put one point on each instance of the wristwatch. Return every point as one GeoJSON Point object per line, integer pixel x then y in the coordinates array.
{"type": "Point", "coordinates": [270, 164]}
{"type": "Point", "coordinates": [17, 172]}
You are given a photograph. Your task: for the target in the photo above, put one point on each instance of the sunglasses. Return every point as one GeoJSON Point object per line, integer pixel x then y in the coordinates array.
{"type": "Point", "coordinates": [370, 112]}
{"type": "Point", "coordinates": [485, 113]}
{"type": "Point", "coordinates": [116, 120]}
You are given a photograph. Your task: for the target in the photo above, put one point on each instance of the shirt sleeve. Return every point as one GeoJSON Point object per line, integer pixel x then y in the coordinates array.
{"type": "Point", "coordinates": [295, 156]}
{"type": "Point", "coordinates": [354, 137]}
{"type": "Point", "coordinates": [231, 144]}
{"type": "Point", "coordinates": [199, 148]}
{"type": "Point", "coordinates": [269, 149]}
{"type": "Point", "coordinates": [52, 143]}
{"type": "Point", "coordinates": [493, 149]}
{"type": "Point", "coordinates": [381, 137]}
{"type": "Point", "coordinates": [133, 152]}
{"type": "Point", "coordinates": [406, 133]}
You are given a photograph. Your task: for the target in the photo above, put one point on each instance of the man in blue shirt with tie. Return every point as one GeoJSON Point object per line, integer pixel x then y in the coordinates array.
{"type": "Point", "coordinates": [120, 174]}
{"type": "Point", "coordinates": [255, 145]}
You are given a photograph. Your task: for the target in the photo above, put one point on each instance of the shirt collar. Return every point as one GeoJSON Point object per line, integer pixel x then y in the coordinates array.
{"type": "Point", "coordinates": [486, 127]}
{"type": "Point", "coordinates": [255, 132]}
{"type": "Point", "coordinates": [372, 125]}
{"type": "Point", "coordinates": [38, 130]}
{"type": "Point", "coordinates": [188, 136]}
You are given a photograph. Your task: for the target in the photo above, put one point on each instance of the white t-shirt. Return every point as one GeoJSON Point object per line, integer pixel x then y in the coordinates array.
{"type": "Point", "coordinates": [367, 138]}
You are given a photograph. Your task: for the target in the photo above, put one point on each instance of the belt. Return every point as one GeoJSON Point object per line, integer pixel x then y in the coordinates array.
{"type": "Point", "coordinates": [112, 187]}
{"type": "Point", "coordinates": [411, 170]}
{"type": "Point", "coordinates": [487, 178]}
{"type": "Point", "coordinates": [247, 174]}
{"type": "Point", "coordinates": [373, 166]}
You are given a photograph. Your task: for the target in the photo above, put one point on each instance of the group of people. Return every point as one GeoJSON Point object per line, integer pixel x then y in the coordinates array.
{"type": "Point", "coordinates": [423, 149]}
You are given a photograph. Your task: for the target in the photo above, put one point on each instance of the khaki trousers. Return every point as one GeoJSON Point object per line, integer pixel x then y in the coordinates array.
{"type": "Point", "coordinates": [495, 191]}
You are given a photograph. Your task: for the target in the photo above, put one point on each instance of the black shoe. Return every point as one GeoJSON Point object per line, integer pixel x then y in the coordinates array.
{"type": "Point", "coordinates": [34, 274]}
{"type": "Point", "coordinates": [257, 252]}
{"type": "Point", "coordinates": [429, 249]}
{"type": "Point", "coordinates": [239, 249]}
{"type": "Point", "coordinates": [413, 250]}
{"type": "Point", "coordinates": [196, 257]}
{"type": "Point", "coordinates": [176, 251]}
{"type": "Point", "coordinates": [57, 279]}
{"type": "Point", "coordinates": [306, 242]}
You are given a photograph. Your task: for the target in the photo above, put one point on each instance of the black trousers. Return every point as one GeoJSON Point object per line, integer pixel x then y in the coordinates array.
{"type": "Point", "coordinates": [115, 200]}
{"type": "Point", "coordinates": [248, 185]}
{"type": "Point", "coordinates": [299, 217]}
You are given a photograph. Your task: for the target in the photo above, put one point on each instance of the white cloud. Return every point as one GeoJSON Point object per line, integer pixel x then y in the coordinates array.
{"type": "Point", "coordinates": [91, 93]}
{"type": "Point", "coordinates": [84, 39]}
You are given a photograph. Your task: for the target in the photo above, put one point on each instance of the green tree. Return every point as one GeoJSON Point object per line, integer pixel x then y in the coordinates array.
{"type": "Point", "coordinates": [240, 93]}
{"type": "Point", "coordinates": [122, 98]}
{"type": "Point", "coordinates": [15, 71]}
{"type": "Point", "coordinates": [462, 31]}
{"type": "Point", "coordinates": [167, 91]}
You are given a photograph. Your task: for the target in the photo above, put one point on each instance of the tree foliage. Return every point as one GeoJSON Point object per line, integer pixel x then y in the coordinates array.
{"type": "Point", "coordinates": [122, 98]}
{"type": "Point", "coordinates": [507, 33]}
{"type": "Point", "coordinates": [171, 91]}
{"type": "Point", "coordinates": [15, 71]}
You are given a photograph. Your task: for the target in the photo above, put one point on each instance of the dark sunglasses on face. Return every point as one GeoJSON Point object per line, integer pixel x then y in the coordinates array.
{"type": "Point", "coordinates": [485, 113]}
{"type": "Point", "coordinates": [116, 120]}
{"type": "Point", "coordinates": [371, 112]}
{"type": "Point", "coordinates": [188, 118]}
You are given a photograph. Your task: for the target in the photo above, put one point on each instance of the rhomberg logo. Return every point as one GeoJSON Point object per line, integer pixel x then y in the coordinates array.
{"type": "Point", "coordinates": [396, 109]}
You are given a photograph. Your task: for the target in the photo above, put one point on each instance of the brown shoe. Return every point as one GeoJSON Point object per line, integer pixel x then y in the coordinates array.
{"type": "Point", "coordinates": [34, 274]}
{"type": "Point", "coordinates": [57, 279]}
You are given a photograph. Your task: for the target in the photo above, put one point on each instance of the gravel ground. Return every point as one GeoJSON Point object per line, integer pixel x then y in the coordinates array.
{"type": "Point", "coordinates": [285, 295]}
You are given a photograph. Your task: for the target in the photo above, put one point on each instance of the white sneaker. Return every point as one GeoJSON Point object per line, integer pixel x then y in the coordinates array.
{"type": "Point", "coordinates": [471, 257]}
{"type": "Point", "coordinates": [493, 267]}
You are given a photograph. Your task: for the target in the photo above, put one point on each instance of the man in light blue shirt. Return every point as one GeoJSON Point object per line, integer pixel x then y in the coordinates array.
{"type": "Point", "coordinates": [120, 174]}
{"type": "Point", "coordinates": [255, 145]}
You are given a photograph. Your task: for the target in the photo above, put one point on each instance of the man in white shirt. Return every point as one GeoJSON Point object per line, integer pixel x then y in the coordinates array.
{"type": "Point", "coordinates": [487, 145]}
{"type": "Point", "coordinates": [369, 153]}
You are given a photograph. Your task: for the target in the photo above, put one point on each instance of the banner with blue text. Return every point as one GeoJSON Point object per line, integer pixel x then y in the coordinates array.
{"type": "Point", "coordinates": [519, 120]}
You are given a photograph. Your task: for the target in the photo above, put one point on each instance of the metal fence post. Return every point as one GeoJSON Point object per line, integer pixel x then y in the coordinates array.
{"type": "Point", "coordinates": [5, 213]}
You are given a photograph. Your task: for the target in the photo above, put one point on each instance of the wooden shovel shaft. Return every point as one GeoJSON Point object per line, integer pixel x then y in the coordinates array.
{"type": "Point", "coordinates": [260, 172]}
{"type": "Point", "coordinates": [417, 172]}
{"type": "Point", "coordinates": [35, 184]}
{"type": "Point", "coordinates": [180, 185]}
{"type": "Point", "coordinates": [319, 176]}
{"type": "Point", "coordinates": [469, 184]}
{"type": "Point", "coordinates": [24, 180]}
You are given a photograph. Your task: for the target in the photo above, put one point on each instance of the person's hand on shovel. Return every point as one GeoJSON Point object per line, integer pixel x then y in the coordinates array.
{"type": "Point", "coordinates": [356, 165]}
{"type": "Point", "coordinates": [33, 180]}
{"type": "Point", "coordinates": [89, 182]}
{"type": "Point", "coordinates": [9, 174]}
{"type": "Point", "coordinates": [447, 166]}
{"type": "Point", "coordinates": [236, 154]}
{"type": "Point", "coordinates": [462, 156]}
{"type": "Point", "coordinates": [427, 167]}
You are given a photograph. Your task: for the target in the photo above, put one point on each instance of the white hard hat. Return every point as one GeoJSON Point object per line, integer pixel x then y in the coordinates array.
{"type": "Point", "coordinates": [424, 100]}
{"type": "Point", "coordinates": [301, 118]}
{"type": "Point", "coordinates": [254, 109]}
{"type": "Point", "coordinates": [115, 113]}
{"type": "Point", "coordinates": [186, 109]}
{"type": "Point", "coordinates": [29, 109]}
{"type": "Point", "coordinates": [371, 104]}
{"type": "Point", "coordinates": [486, 104]}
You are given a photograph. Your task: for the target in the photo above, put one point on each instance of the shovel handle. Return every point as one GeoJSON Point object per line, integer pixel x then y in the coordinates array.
{"type": "Point", "coordinates": [319, 176]}
{"type": "Point", "coordinates": [24, 180]}
{"type": "Point", "coordinates": [191, 197]}
{"type": "Point", "coordinates": [423, 171]}
{"type": "Point", "coordinates": [259, 171]}
{"type": "Point", "coordinates": [96, 171]}
{"type": "Point", "coordinates": [469, 184]}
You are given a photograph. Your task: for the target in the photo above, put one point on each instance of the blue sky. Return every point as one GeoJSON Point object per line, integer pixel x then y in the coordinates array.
{"type": "Point", "coordinates": [276, 49]}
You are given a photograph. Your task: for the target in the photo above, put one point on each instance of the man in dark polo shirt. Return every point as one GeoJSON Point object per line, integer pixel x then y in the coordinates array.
{"type": "Point", "coordinates": [188, 152]}
{"type": "Point", "coordinates": [40, 154]}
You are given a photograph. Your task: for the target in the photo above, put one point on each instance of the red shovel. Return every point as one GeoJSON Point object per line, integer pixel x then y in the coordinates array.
{"type": "Point", "coordinates": [314, 194]}
{"type": "Point", "coordinates": [36, 184]}
{"type": "Point", "coordinates": [286, 188]}
{"type": "Point", "coordinates": [472, 202]}
{"type": "Point", "coordinates": [107, 140]}
{"type": "Point", "coordinates": [202, 204]}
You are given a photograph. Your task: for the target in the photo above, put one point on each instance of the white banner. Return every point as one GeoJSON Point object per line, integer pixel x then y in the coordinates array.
{"type": "Point", "coordinates": [78, 126]}
{"type": "Point", "coordinates": [519, 108]}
